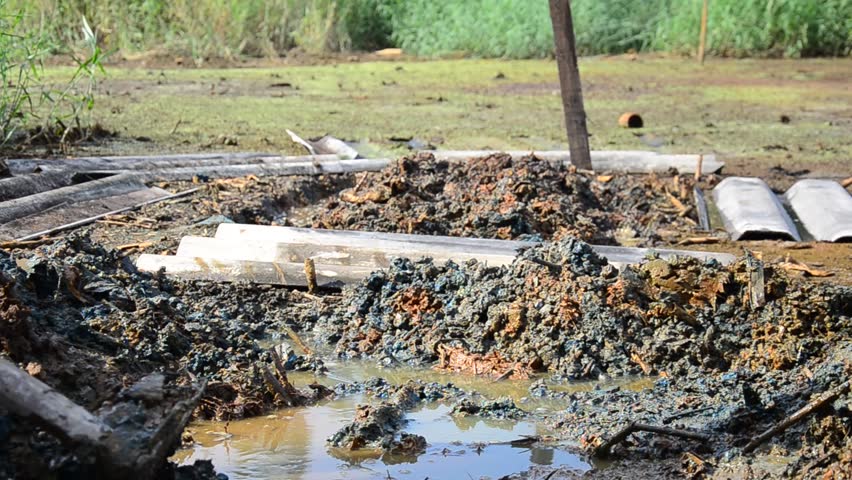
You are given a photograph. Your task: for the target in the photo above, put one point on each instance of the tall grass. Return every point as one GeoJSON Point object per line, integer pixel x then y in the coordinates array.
{"type": "Point", "coordinates": [490, 28]}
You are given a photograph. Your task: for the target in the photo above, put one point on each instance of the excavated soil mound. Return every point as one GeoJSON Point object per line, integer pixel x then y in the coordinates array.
{"type": "Point", "coordinates": [497, 197]}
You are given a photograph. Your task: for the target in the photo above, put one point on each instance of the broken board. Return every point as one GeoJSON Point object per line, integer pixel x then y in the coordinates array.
{"type": "Point", "coordinates": [276, 255]}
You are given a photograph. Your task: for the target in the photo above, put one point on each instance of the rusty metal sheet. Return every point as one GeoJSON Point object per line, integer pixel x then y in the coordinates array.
{"type": "Point", "coordinates": [751, 211]}
{"type": "Point", "coordinates": [824, 207]}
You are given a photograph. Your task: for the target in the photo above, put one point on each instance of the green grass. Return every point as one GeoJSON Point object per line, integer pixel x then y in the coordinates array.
{"type": "Point", "coordinates": [728, 107]}
{"type": "Point", "coordinates": [486, 28]}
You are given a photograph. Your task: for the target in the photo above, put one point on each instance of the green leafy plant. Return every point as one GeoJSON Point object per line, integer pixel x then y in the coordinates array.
{"type": "Point", "coordinates": [30, 108]}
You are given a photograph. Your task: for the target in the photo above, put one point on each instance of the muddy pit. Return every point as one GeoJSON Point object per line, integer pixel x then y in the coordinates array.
{"type": "Point", "coordinates": [78, 316]}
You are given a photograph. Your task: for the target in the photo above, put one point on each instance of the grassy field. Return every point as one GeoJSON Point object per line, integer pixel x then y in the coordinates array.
{"type": "Point", "coordinates": [729, 107]}
{"type": "Point", "coordinates": [228, 29]}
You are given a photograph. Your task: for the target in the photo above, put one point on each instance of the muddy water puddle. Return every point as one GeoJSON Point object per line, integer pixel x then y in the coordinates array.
{"type": "Point", "coordinates": [292, 442]}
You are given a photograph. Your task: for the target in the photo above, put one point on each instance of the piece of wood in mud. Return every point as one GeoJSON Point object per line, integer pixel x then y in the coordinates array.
{"type": "Point", "coordinates": [264, 251]}
{"type": "Point", "coordinates": [429, 245]}
{"type": "Point", "coordinates": [24, 185]}
{"type": "Point", "coordinates": [34, 204]}
{"type": "Point", "coordinates": [219, 270]}
{"type": "Point", "coordinates": [74, 212]}
{"type": "Point", "coordinates": [27, 396]}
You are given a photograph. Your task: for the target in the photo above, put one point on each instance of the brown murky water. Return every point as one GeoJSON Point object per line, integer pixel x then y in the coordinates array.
{"type": "Point", "coordinates": [292, 442]}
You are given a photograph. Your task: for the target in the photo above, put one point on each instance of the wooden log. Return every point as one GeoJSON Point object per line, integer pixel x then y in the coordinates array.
{"type": "Point", "coordinates": [26, 396]}
{"type": "Point", "coordinates": [23, 185]}
{"type": "Point", "coordinates": [105, 187]}
{"type": "Point", "coordinates": [569, 81]}
{"type": "Point", "coordinates": [217, 270]}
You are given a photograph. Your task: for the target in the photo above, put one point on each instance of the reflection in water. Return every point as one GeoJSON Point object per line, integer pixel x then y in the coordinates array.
{"type": "Point", "coordinates": [291, 444]}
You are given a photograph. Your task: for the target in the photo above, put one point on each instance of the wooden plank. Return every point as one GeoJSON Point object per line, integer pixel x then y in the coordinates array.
{"type": "Point", "coordinates": [136, 162]}
{"type": "Point", "coordinates": [427, 245]}
{"type": "Point", "coordinates": [273, 273]}
{"type": "Point", "coordinates": [265, 251]}
{"type": "Point", "coordinates": [701, 206]}
{"type": "Point", "coordinates": [361, 239]}
{"type": "Point", "coordinates": [629, 161]}
{"type": "Point", "coordinates": [318, 167]}
{"type": "Point", "coordinates": [33, 204]}
{"type": "Point", "coordinates": [569, 81]}
{"type": "Point", "coordinates": [23, 185]}
{"type": "Point", "coordinates": [75, 214]}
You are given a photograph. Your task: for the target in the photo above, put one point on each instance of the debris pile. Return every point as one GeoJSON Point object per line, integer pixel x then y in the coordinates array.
{"type": "Point", "coordinates": [560, 308]}
{"type": "Point", "coordinates": [81, 319]}
{"type": "Point", "coordinates": [498, 197]}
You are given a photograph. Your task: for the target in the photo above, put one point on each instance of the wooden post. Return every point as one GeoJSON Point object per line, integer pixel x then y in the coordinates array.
{"type": "Point", "coordinates": [702, 40]}
{"type": "Point", "coordinates": [569, 80]}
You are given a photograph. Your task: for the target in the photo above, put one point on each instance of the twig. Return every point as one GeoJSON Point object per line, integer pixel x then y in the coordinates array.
{"type": "Point", "coordinates": [604, 449]}
{"type": "Point", "coordinates": [298, 341]}
{"type": "Point", "coordinates": [553, 266]}
{"type": "Point", "coordinates": [698, 168]}
{"type": "Point", "coordinates": [311, 275]}
{"type": "Point", "coordinates": [26, 243]}
{"type": "Point", "coordinates": [845, 183]}
{"type": "Point", "coordinates": [277, 386]}
{"type": "Point", "coordinates": [797, 417]}
{"type": "Point", "coordinates": [506, 374]}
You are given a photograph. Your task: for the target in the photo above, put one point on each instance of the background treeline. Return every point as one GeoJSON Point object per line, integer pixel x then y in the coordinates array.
{"type": "Point", "coordinates": [488, 28]}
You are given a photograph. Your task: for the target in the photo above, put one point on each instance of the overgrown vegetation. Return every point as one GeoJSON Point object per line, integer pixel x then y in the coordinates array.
{"type": "Point", "coordinates": [490, 28]}
{"type": "Point", "coordinates": [30, 108]}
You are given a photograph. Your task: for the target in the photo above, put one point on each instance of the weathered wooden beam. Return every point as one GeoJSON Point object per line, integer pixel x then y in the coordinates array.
{"type": "Point", "coordinates": [23, 185]}
{"type": "Point", "coordinates": [316, 167]}
{"type": "Point", "coordinates": [569, 81]}
{"type": "Point", "coordinates": [362, 239]}
{"type": "Point", "coordinates": [330, 254]}
{"type": "Point", "coordinates": [264, 238]}
{"type": "Point", "coordinates": [104, 187]}
{"type": "Point", "coordinates": [19, 166]}
{"type": "Point", "coordinates": [628, 161]}
{"type": "Point", "coordinates": [76, 214]}
{"type": "Point", "coordinates": [273, 273]}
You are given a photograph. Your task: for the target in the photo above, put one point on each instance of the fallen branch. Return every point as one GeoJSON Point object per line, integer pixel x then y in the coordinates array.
{"type": "Point", "coordinates": [604, 449]}
{"type": "Point", "coordinates": [797, 417]}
